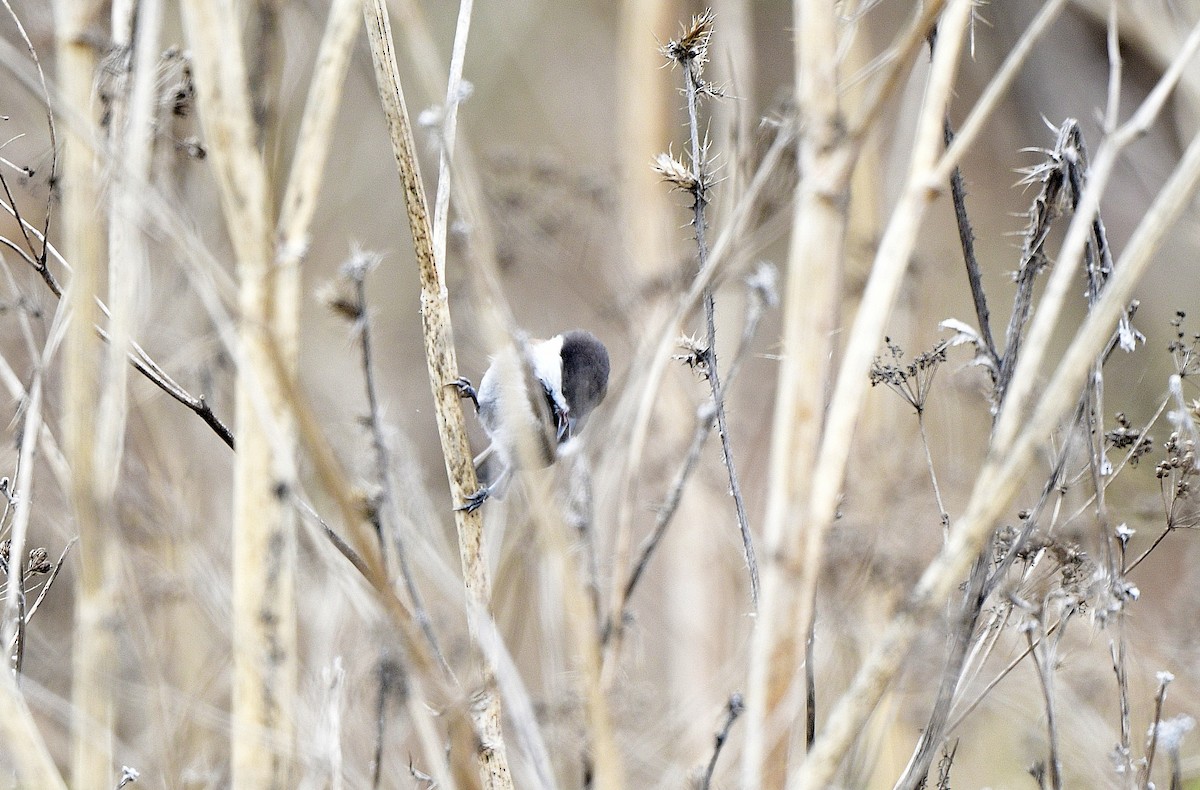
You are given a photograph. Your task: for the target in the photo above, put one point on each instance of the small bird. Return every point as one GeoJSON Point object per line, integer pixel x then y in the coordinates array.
{"type": "Point", "coordinates": [529, 411]}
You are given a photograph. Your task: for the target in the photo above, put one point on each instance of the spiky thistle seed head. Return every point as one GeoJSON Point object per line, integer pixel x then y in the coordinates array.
{"type": "Point", "coordinates": [692, 44]}
{"type": "Point", "coordinates": [674, 172]}
{"type": "Point", "coordinates": [695, 354]}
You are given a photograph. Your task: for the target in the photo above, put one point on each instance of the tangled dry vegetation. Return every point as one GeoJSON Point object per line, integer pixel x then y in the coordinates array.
{"type": "Point", "coordinates": [234, 548]}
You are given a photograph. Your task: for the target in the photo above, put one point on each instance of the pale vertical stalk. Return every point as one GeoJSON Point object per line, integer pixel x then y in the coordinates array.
{"type": "Point", "coordinates": [132, 129]}
{"type": "Point", "coordinates": [22, 741]}
{"type": "Point", "coordinates": [811, 309]}
{"type": "Point", "coordinates": [449, 133]}
{"type": "Point", "coordinates": [643, 118]}
{"type": "Point", "coordinates": [82, 236]}
{"type": "Point", "coordinates": [264, 544]}
{"type": "Point", "coordinates": [1000, 479]}
{"type": "Point", "coordinates": [891, 264]}
{"type": "Point", "coordinates": [15, 606]}
{"type": "Point", "coordinates": [443, 372]}
{"type": "Point", "coordinates": [607, 770]}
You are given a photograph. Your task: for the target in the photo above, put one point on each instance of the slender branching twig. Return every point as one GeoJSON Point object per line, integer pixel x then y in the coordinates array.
{"type": "Point", "coordinates": [761, 294]}
{"type": "Point", "coordinates": [386, 511]}
{"type": "Point", "coordinates": [733, 709]}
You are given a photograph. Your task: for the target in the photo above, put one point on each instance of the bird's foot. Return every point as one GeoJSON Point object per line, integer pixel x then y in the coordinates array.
{"type": "Point", "coordinates": [476, 500]}
{"type": "Point", "coordinates": [466, 390]}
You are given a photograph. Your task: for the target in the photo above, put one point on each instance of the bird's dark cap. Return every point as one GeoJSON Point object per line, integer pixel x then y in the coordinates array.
{"type": "Point", "coordinates": [585, 371]}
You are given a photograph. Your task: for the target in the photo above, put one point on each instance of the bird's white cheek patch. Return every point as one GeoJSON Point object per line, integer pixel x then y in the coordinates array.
{"type": "Point", "coordinates": [547, 363]}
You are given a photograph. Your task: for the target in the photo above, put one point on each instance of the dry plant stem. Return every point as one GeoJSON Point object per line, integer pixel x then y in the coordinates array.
{"type": "Point", "coordinates": [1024, 378]}
{"type": "Point", "coordinates": [898, 58]}
{"type": "Point", "coordinates": [443, 371]}
{"type": "Point", "coordinates": [704, 423]}
{"type": "Point", "coordinates": [1044, 666]}
{"type": "Point", "coordinates": [448, 136]}
{"type": "Point", "coordinates": [13, 625]}
{"type": "Point", "coordinates": [937, 491]}
{"type": "Point", "coordinates": [668, 334]}
{"type": "Point", "coordinates": [966, 237]}
{"type": "Point", "coordinates": [972, 127]}
{"type": "Point", "coordinates": [393, 529]}
{"type": "Point", "coordinates": [732, 711]}
{"type": "Point", "coordinates": [265, 661]}
{"type": "Point", "coordinates": [1117, 649]}
{"type": "Point", "coordinates": [423, 669]}
{"type": "Point", "coordinates": [1002, 474]}
{"type": "Point", "coordinates": [700, 200]}
{"type": "Point", "coordinates": [314, 139]}
{"type": "Point", "coordinates": [1152, 746]}
{"type": "Point", "coordinates": [131, 130]}
{"type": "Point", "coordinates": [1001, 675]}
{"type": "Point", "coordinates": [812, 309]}
{"type": "Point", "coordinates": [800, 471]}
{"type": "Point", "coordinates": [96, 618]}
{"type": "Point", "coordinates": [1112, 110]}
{"type": "Point", "coordinates": [605, 759]}
{"type": "Point", "coordinates": [978, 585]}
{"type": "Point", "coordinates": [23, 742]}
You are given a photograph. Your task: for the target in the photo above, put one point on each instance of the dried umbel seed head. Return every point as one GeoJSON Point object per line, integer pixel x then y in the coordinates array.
{"type": "Point", "coordinates": [39, 561]}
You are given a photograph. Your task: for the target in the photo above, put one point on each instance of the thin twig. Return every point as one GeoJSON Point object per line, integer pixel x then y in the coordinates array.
{"type": "Point", "coordinates": [761, 293]}
{"type": "Point", "coordinates": [733, 709]}
{"type": "Point", "coordinates": [1045, 666]}
{"type": "Point", "coordinates": [52, 180]}
{"type": "Point", "coordinates": [12, 628]}
{"type": "Point", "coordinates": [356, 270]}
{"type": "Point", "coordinates": [966, 237]}
{"type": "Point", "coordinates": [138, 357]}
{"type": "Point", "coordinates": [1164, 680]}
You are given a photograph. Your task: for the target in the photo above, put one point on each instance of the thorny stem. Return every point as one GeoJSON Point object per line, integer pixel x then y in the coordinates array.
{"type": "Point", "coordinates": [694, 85]}
{"type": "Point", "coordinates": [357, 271]}
{"type": "Point", "coordinates": [761, 294]}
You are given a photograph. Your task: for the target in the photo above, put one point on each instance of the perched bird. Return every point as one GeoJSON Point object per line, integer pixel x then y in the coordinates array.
{"type": "Point", "coordinates": [530, 410]}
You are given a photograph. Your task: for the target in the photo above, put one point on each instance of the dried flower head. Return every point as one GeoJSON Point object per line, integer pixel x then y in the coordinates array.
{"type": "Point", "coordinates": [695, 354]}
{"type": "Point", "coordinates": [911, 381]}
{"type": "Point", "coordinates": [679, 175]}
{"type": "Point", "coordinates": [1126, 436]}
{"type": "Point", "coordinates": [692, 44]}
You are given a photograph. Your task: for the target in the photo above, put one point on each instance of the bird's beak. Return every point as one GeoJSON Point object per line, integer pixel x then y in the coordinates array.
{"type": "Point", "coordinates": [563, 425]}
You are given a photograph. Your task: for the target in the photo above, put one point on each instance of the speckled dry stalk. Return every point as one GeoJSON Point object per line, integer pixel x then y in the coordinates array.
{"type": "Point", "coordinates": [443, 372]}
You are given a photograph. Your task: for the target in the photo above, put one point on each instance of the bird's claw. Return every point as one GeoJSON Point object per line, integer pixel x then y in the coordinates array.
{"type": "Point", "coordinates": [466, 390]}
{"type": "Point", "coordinates": [475, 501]}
